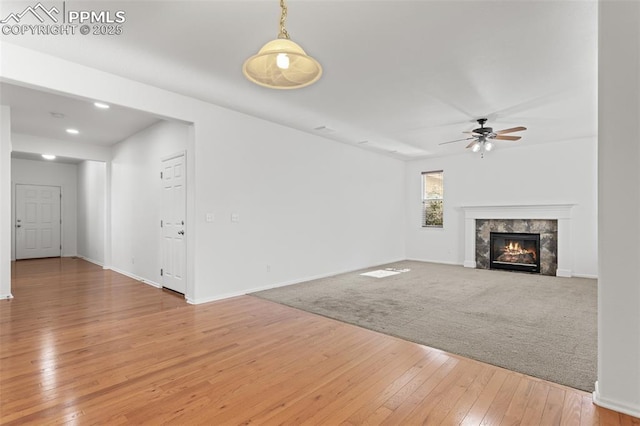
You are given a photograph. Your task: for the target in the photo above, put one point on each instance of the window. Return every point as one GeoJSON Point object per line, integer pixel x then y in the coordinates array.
{"type": "Point", "coordinates": [432, 199]}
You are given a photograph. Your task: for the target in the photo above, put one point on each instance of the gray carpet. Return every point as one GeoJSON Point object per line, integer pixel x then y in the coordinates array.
{"type": "Point", "coordinates": [538, 325]}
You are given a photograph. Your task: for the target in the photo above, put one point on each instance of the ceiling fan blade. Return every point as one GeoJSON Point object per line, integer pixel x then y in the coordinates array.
{"type": "Point", "coordinates": [511, 130]}
{"type": "Point", "coordinates": [508, 138]}
{"type": "Point", "coordinates": [457, 140]}
{"type": "Point", "coordinates": [471, 144]}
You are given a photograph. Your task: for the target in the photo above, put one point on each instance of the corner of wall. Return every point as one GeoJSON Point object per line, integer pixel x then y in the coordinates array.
{"type": "Point", "coordinates": [5, 202]}
{"type": "Point", "coordinates": [613, 405]}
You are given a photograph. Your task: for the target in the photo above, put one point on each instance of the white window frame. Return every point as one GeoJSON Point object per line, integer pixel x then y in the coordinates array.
{"type": "Point", "coordinates": [434, 197]}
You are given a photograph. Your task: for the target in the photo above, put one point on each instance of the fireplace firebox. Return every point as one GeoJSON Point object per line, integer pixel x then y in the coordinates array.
{"type": "Point", "coordinates": [515, 252]}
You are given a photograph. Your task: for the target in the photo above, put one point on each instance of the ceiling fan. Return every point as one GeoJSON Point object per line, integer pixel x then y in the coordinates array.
{"type": "Point", "coordinates": [482, 136]}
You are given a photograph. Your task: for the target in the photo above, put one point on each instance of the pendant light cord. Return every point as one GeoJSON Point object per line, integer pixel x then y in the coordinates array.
{"type": "Point", "coordinates": [283, 17]}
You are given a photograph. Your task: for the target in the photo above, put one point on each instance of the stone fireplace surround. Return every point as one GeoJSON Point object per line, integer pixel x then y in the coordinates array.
{"type": "Point", "coordinates": [547, 229]}
{"type": "Point", "coordinates": [559, 212]}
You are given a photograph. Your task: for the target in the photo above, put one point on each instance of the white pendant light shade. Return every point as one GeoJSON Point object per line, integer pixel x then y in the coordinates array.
{"type": "Point", "coordinates": [282, 64]}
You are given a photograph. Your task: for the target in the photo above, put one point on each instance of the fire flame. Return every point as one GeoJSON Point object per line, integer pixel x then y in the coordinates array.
{"type": "Point", "coordinates": [514, 248]}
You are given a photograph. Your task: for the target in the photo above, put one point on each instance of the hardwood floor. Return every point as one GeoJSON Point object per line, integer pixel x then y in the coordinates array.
{"type": "Point", "coordinates": [81, 345]}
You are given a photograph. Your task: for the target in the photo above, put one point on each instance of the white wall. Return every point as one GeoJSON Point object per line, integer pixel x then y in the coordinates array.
{"type": "Point", "coordinates": [618, 385]}
{"type": "Point", "coordinates": [5, 202]}
{"type": "Point", "coordinates": [308, 207]}
{"type": "Point", "coordinates": [135, 198]}
{"type": "Point", "coordinates": [92, 210]}
{"type": "Point", "coordinates": [553, 173]}
{"type": "Point", "coordinates": [55, 174]}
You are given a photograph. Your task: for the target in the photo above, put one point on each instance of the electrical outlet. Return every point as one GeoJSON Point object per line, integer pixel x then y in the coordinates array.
{"type": "Point", "coordinates": [209, 217]}
{"type": "Point", "coordinates": [235, 217]}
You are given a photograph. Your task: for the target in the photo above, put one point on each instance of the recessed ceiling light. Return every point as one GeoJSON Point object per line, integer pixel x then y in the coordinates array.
{"type": "Point", "coordinates": [73, 131]}
{"type": "Point", "coordinates": [48, 156]}
{"type": "Point", "coordinates": [101, 105]}
{"type": "Point", "coordinates": [57, 115]}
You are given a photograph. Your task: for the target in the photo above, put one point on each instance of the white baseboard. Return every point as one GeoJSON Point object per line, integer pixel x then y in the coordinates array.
{"type": "Point", "coordinates": [566, 273]}
{"type": "Point", "coordinates": [217, 297]}
{"type": "Point", "coordinates": [593, 277]}
{"type": "Point", "coordinates": [282, 284]}
{"type": "Point", "coordinates": [440, 262]}
{"type": "Point", "coordinates": [6, 296]}
{"type": "Point", "coordinates": [135, 277]}
{"type": "Point", "coordinates": [95, 262]}
{"type": "Point", "coordinates": [615, 406]}
{"type": "Point", "coordinates": [471, 264]}
{"type": "Point", "coordinates": [316, 277]}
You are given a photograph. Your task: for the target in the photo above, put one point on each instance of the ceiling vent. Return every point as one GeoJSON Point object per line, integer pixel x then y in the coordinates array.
{"type": "Point", "coordinates": [323, 130]}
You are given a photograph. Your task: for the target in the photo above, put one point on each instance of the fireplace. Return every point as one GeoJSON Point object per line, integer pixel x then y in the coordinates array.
{"type": "Point", "coordinates": [552, 222]}
{"type": "Point", "coordinates": [515, 252]}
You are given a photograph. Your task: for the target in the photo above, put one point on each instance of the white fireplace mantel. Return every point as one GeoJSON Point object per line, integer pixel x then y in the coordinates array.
{"type": "Point", "coordinates": [559, 212]}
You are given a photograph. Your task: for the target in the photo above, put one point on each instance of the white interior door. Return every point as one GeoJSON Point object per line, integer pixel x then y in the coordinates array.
{"type": "Point", "coordinates": [173, 224]}
{"type": "Point", "coordinates": [38, 223]}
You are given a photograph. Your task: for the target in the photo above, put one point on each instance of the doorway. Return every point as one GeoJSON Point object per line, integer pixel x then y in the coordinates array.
{"type": "Point", "coordinates": [173, 212]}
{"type": "Point", "coordinates": [38, 221]}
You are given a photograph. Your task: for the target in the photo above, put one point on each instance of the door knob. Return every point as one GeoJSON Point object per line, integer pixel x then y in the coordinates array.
{"type": "Point", "coordinates": [180, 232]}
{"type": "Point", "coordinates": [18, 226]}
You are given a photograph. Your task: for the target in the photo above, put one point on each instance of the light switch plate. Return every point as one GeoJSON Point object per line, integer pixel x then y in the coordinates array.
{"type": "Point", "coordinates": [209, 217]}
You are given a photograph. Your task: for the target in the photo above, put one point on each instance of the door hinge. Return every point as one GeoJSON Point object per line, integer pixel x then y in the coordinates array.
{"type": "Point", "coordinates": [161, 225]}
{"type": "Point", "coordinates": [160, 175]}
{"type": "Point", "coordinates": [161, 272]}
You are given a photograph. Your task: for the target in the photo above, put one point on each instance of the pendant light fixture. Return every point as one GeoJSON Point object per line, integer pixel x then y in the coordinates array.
{"type": "Point", "coordinates": [281, 63]}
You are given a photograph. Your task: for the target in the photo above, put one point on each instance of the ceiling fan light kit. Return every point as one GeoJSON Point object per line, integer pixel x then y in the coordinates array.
{"type": "Point", "coordinates": [482, 137]}
{"type": "Point", "coordinates": [281, 63]}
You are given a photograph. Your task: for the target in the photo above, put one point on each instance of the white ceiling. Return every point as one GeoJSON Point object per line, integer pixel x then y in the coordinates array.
{"type": "Point", "coordinates": [402, 75]}
{"type": "Point", "coordinates": [31, 114]}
